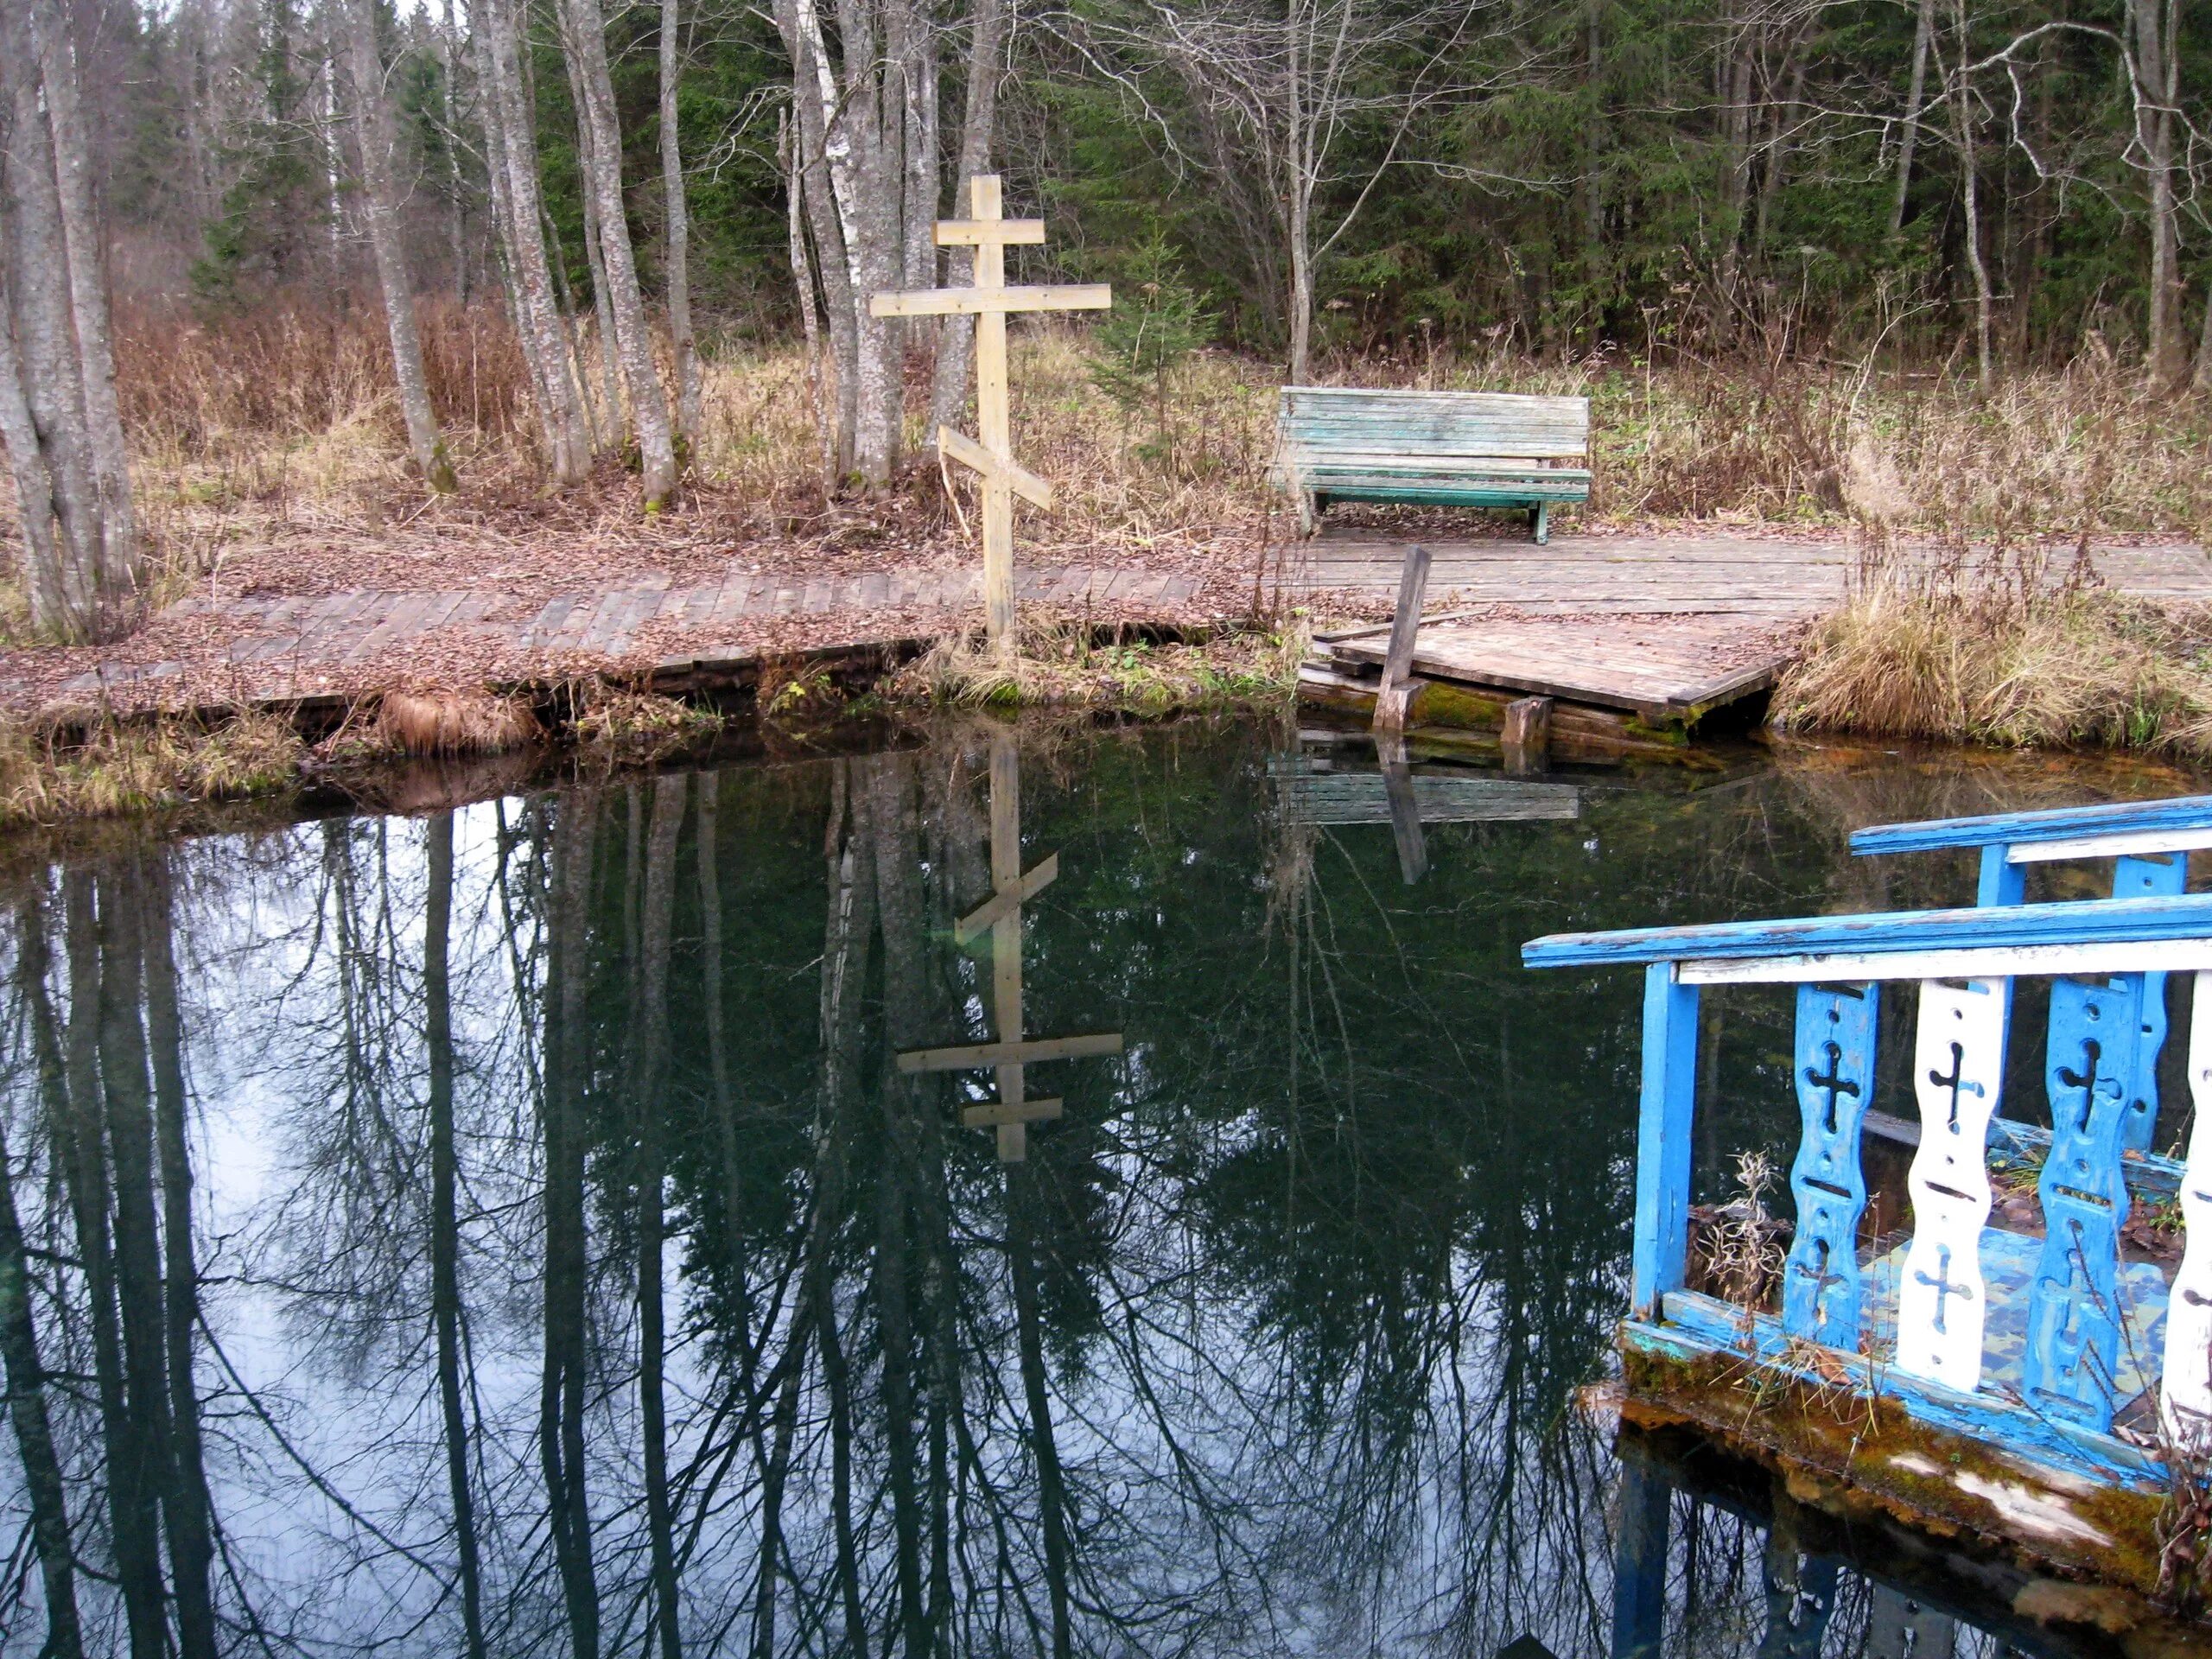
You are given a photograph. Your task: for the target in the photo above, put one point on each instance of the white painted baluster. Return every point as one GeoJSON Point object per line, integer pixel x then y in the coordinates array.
{"type": "Point", "coordinates": [2185, 1398]}
{"type": "Point", "coordinates": [1958, 1063]}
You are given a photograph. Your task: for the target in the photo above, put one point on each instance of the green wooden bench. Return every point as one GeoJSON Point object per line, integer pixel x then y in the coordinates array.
{"type": "Point", "coordinates": [1442, 448]}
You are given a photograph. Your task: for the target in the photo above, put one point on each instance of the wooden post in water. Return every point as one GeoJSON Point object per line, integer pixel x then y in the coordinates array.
{"type": "Point", "coordinates": [1391, 702]}
{"type": "Point", "coordinates": [988, 300]}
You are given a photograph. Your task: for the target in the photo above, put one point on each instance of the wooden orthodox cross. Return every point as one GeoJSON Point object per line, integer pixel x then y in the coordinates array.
{"type": "Point", "coordinates": [1000, 916]}
{"type": "Point", "coordinates": [989, 301]}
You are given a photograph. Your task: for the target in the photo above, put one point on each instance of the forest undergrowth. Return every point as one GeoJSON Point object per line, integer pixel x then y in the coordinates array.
{"type": "Point", "coordinates": [281, 420]}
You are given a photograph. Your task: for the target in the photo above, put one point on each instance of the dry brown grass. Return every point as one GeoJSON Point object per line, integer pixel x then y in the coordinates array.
{"type": "Point", "coordinates": [279, 421]}
{"type": "Point", "coordinates": [453, 721]}
{"type": "Point", "coordinates": [48, 773]}
{"type": "Point", "coordinates": [2005, 651]}
{"type": "Point", "coordinates": [620, 724]}
{"type": "Point", "coordinates": [1065, 663]}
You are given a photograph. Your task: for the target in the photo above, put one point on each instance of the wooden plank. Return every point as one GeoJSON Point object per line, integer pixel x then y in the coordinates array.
{"type": "Point", "coordinates": [983, 301]}
{"type": "Point", "coordinates": [992, 1114]}
{"type": "Point", "coordinates": [968, 1056]}
{"type": "Point", "coordinates": [2077, 960]}
{"type": "Point", "coordinates": [1716, 1327]}
{"type": "Point", "coordinates": [2019, 828]}
{"type": "Point", "coordinates": [972, 455]}
{"type": "Point", "coordinates": [1405, 628]}
{"type": "Point", "coordinates": [2141, 922]}
{"type": "Point", "coordinates": [981, 233]}
{"type": "Point", "coordinates": [1006, 901]}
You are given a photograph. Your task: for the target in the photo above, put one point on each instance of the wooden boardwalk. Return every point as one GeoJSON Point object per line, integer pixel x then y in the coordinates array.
{"type": "Point", "coordinates": [1659, 630]}
{"type": "Point", "coordinates": [1689, 611]}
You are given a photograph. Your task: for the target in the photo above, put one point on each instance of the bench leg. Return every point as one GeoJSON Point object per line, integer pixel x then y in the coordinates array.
{"type": "Point", "coordinates": [1539, 519]}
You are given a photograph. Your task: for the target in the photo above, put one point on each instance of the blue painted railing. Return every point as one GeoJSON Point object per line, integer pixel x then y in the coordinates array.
{"type": "Point", "coordinates": [2149, 842]}
{"type": "Point", "coordinates": [2081, 1360]}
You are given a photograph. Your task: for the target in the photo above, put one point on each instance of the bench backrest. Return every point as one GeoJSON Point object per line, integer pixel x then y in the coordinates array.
{"type": "Point", "coordinates": [1341, 421]}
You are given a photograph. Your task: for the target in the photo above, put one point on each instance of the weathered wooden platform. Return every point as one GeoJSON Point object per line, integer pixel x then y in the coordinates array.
{"type": "Point", "coordinates": [1635, 639]}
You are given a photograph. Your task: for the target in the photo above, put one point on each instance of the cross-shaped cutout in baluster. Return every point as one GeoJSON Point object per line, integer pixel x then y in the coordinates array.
{"type": "Point", "coordinates": [1956, 1082]}
{"type": "Point", "coordinates": [1818, 1271]}
{"type": "Point", "coordinates": [1942, 1284]}
{"type": "Point", "coordinates": [2086, 1080]}
{"type": "Point", "coordinates": [1836, 1082]}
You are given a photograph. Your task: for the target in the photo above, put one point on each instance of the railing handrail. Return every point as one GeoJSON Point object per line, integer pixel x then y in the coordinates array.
{"type": "Point", "coordinates": [2126, 921]}
{"type": "Point", "coordinates": [2062, 824]}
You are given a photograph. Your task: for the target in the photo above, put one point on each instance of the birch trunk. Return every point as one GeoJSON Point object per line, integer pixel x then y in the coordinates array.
{"type": "Point", "coordinates": [1970, 169]}
{"type": "Point", "coordinates": [510, 158]}
{"type": "Point", "coordinates": [1923, 34]}
{"type": "Point", "coordinates": [955, 345]}
{"type": "Point", "coordinates": [47, 435]}
{"type": "Point", "coordinates": [85, 243]}
{"type": "Point", "coordinates": [374, 135]}
{"type": "Point", "coordinates": [606, 407]}
{"type": "Point", "coordinates": [586, 40]}
{"type": "Point", "coordinates": [851, 184]}
{"type": "Point", "coordinates": [681, 343]}
{"type": "Point", "coordinates": [2157, 85]}
{"type": "Point", "coordinates": [45, 1486]}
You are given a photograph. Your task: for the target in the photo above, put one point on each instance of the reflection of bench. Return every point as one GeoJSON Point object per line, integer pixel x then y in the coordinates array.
{"type": "Point", "coordinates": [1432, 449]}
{"type": "Point", "coordinates": [1328, 798]}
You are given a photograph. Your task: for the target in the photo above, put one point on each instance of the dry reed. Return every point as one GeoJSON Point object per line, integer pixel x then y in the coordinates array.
{"type": "Point", "coordinates": [1068, 663]}
{"type": "Point", "coordinates": [48, 773]}
{"type": "Point", "coordinates": [1998, 649]}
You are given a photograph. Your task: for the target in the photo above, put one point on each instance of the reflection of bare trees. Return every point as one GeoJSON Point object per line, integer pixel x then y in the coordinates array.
{"type": "Point", "coordinates": [500, 1234]}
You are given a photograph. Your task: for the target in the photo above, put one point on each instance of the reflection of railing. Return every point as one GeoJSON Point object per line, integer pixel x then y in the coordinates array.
{"type": "Point", "coordinates": [2089, 1335]}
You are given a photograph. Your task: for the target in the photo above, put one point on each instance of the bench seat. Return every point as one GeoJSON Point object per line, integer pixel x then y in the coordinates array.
{"type": "Point", "coordinates": [1430, 449]}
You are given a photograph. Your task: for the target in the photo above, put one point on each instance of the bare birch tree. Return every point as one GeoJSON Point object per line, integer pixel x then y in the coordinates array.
{"type": "Point", "coordinates": [58, 411]}
{"type": "Point", "coordinates": [682, 345]}
{"type": "Point", "coordinates": [850, 90]}
{"type": "Point", "coordinates": [1277, 90]}
{"type": "Point", "coordinates": [511, 162]}
{"type": "Point", "coordinates": [378, 142]}
{"type": "Point", "coordinates": [978, 131]}
{"type": "Point", "coordinates": [584, 42]}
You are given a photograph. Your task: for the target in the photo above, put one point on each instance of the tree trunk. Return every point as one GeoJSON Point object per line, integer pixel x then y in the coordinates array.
{"type": "Point", "coordinates": [586, 40]}
{"type": "Point", "coordinates": [49, 434]}
{"type": "Point", "coordinates": [681, 344]}
{"type": "Point", "coordinates": [606, 408]}
{"type": "Point", "coordinates": [1970, 169]}
{"type": "Point", "coordinates": [978, 129]}
{"type": "Point", "coordinates": [669, 799]}
{"type": "Point", "coordinates": [510, 158]}
{"type": "Point", "coordinates": [445, 1227]}
{"type": "Point", "coordinates": [1923, 34]}
{"type": "Point", "coordinates": [565, 1380]}
{"type": "Point", "coordinates": [192, 1546]}
{"type": "Point", "coordinates": [377, 143]}
{"type": "Point", "coordinates": [43, 1481]}
{"type": "Point", "coordinates": [86, 240]}
{"type": "Point", "coordinates": [852, 186]}
{"type": "Point", "coordinates": [2158, 84]}
{"type": "Point", "coordinates": [134, 1518]}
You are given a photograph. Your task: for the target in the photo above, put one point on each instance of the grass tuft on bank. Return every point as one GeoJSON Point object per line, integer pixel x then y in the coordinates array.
{"type": "Point", "coordinates": [52, 772]}
{"type": "Point", "coordinates": [1067, 664]}
{"type": "Point", "coordinates": [2014, 657]}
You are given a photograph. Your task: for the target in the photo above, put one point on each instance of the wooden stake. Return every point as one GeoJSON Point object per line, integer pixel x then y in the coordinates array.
{"type": "Point", "coordinates": [1405, 628]}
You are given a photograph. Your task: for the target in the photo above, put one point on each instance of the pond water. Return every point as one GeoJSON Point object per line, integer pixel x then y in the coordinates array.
{"type": "Point", "coordinates": [512, 1231]}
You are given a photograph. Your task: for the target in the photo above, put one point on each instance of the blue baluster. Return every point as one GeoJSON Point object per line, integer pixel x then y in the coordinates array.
{"type": "Point", "coordinates": [1836, 1027]}
{"type": "Point", "coordinates": [2073, 1305]}
{"type": "Point", "coordinates": [2162, 873]}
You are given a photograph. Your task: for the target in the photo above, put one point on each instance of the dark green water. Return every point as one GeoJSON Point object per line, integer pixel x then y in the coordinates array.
{"type": "Point", "coordinates": [569, 1248]}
